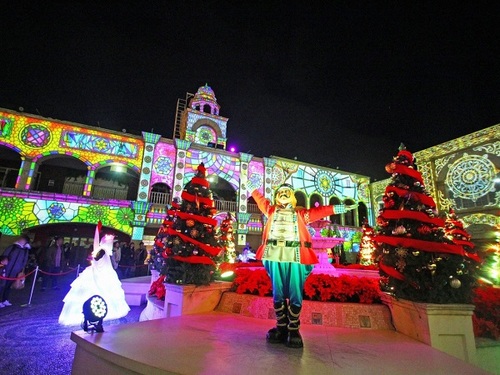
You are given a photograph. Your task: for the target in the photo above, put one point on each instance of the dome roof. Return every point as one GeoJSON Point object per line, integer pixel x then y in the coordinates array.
{"type": "Point", "coordinates": [205, 94]}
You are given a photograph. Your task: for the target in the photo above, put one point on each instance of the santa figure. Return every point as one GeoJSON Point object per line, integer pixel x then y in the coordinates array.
{"type": "Point", "coordinates": [287, 254]}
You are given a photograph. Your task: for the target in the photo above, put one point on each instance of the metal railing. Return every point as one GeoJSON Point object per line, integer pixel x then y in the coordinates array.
{"type": "Point", "coordinates": [157, 197]}
{"type": "Point", "coordinates": [98, 192]}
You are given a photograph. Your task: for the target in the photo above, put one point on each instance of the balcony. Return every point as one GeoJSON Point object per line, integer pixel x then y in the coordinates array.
{"type": "Point", "coordinates": [163, 199]}
{"type": "Point", "coordinates": [98, 192]}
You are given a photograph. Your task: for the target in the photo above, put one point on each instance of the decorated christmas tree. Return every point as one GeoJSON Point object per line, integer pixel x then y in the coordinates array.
{"type": "Point", "coordinates": [417, 259]}
{"type": "Point", "coordinates": [226, 239]}
{"type": "Point", "coordinates": [366, 248]}
{"type": "Point", "coordinates": [186, 248]}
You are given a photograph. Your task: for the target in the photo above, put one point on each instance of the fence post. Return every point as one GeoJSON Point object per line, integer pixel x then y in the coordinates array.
{"type": "Point", "coordinates": [32, 288]}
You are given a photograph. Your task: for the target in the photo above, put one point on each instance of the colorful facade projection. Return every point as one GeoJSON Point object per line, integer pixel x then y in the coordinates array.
{"type": "Point", "coordinates": [162, 166]}
{"type": "Point", "coordinates": [464, 175]}
{"type": "Point", "coordinates": [36, 140]}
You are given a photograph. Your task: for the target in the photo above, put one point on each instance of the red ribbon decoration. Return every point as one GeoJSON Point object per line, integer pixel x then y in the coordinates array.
{"type": "Point", "coordinates": [391, 271]}
{"type": "Point", "coordinates": [200, 181]}
{"type": "Point", "coordinates": [464, 243]}
{"type": "Point", "coordinates": [199, 218]}
{"type": "Point", "coordinates": [413, 215]}
{"type": "Point", "coordinates": [422, 198]}
{"type": "Point", "coordinates": [192, 198]}
{"type": "Point", "coordinates": [427, 246]}
{"type": "Point", "coordinates": [195, 259]}
{"type": "Point", "coordinates": [214, 251]}
{"type": "Point", "coordinates": [401, 169]}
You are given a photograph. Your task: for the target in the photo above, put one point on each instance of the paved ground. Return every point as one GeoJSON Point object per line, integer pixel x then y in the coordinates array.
{"type": "Point", "coordinates": [33, 342]}
{"type": "Point", "coordinates": [31, 338]}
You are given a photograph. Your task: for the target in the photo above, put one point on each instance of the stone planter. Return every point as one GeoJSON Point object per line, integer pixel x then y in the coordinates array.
{"type": "Point", "coordinates": [184, 299]}
{"type": "Point", "coordinates": [192, 299]}
{"type": "Point", "coordinates": [446, 327]}
{"type": "Point", "coordinates": [330, 314]}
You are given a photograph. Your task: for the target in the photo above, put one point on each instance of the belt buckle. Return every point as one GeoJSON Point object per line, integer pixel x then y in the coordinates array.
{"type": "Point", "coordinates": [280, 242]}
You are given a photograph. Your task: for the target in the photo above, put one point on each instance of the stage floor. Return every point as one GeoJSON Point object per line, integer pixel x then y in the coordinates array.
{"type": "Point", "coordinates": [223, 343]}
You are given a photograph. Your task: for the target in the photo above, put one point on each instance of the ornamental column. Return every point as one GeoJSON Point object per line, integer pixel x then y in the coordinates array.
{"type": "Point", "coordinates": [181, 146]}
{"type": "Point", "coordinates": [141, 205]}
{"type": "Point", "coordinates": [26, 172]}
{"type": "Point", "coordinates": [268, 177]}
{"type": "Point", "coordinates": [243, 216]}
{"type": "Point", "coordinates": [89, 181]}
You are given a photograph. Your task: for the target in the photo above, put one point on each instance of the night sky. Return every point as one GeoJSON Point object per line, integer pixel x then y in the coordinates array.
{"type": "Point", "coordinates": [340, 85]}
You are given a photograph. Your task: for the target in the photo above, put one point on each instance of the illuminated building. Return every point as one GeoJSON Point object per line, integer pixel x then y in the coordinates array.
{"type": "Point", "coordinates": [59, 172]}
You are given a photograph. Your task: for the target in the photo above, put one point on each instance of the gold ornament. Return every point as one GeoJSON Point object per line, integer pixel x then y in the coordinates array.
{"type": "Point", "coordinates": [400, 265]}
{"type": "Point", "coordinates": [432, 268]}
{"type": "Point", "coordinates": [455, 283]}
{"type": "Point", "coordinates": [401, 252]}
{"type": "Point", "coordinates": [415, 253]}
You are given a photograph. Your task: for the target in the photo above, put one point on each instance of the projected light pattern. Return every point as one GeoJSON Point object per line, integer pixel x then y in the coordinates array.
{"type": "Point", "coordinates": [256, 173]}
{"type": "Point", "coordinates": [205, 135]}
{"type": "Point", "coordinates": [35, 135]}
{"type": "Point", "coordinates": [100, 144]}
{"type": "Point", "coordinates": [5, 126]}
{"type": "Point", "coordinates": [471, 177]}
{"type": "Point", "coordinates": [226, 167]}
{"type": "Point", "coordinates": [163, 164]}
{"type": "Point", "coordinates": [325, 183]}
{"type": "Point", "coordinates": [18, 214]}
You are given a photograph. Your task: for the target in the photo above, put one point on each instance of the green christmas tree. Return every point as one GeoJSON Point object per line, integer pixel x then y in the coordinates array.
{"type": "Point", "coordinates": [417, 259]}
{"type": "Point", "coordinates": [226, 239]}
{"type": "Point", "coordinates": [186, 248]}
{"type": "Point", "coordinates": [366, 248]}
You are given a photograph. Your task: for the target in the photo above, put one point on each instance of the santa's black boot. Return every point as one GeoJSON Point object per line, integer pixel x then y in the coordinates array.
{"type": "Point", "coordinates": [279, 334]}
{"type": "Point", "coordinates": [294, 339]}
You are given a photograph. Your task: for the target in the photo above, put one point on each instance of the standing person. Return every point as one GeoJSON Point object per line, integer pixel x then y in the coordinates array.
{"type": "Point", "coordinates": [127, 259]}
{"type": "Point", "coordinates": [54, 260]}
{"type": "Point", "coordinates": [18, 254]}
{"type": "Point", "coordinates": [116, 256]}
{"type": "Point", "coordinates": [131, 260]}
{"type": "Point", "coordinates": [97, 279]}
{"type": "Point", "coordinates": [142, 252]}
{"type": "Point", "coordinates": [4, 260]}
{"type": "Point", "coordinates": [287, 254]}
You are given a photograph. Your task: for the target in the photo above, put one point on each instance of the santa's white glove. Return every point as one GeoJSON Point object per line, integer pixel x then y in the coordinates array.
{"type": "Point", "coordinates": [251, 186]}
{"type": "Point", "coordinates": [342, 208]}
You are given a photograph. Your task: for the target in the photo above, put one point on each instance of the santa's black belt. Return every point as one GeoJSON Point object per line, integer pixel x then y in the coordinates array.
{"type": "Point", "coordinates": [288, 243]}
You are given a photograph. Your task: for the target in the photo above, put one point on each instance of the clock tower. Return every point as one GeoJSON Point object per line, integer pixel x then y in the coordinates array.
{"type": "Point", "coordinates": [198, 120]}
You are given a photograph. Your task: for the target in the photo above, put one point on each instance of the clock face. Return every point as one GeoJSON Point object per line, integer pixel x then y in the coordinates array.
{"type": "Point", "coordinates": [471, 177]}
{"type": "Point", "coordinates": [204, 135]}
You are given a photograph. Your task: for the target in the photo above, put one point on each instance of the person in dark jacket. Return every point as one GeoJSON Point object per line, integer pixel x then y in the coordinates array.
{"type": "Point", "coordinates": [18, 254]}
{"type": "Point", "coordinates": [53, 262]}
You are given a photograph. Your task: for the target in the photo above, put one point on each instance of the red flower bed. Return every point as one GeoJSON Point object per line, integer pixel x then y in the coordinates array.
{"type": "Point", "coordinates": [318, 287]}
{"type": "Point", "coordinates": [486, 318]}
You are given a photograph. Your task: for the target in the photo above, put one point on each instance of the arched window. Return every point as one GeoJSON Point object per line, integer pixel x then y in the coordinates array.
{"type": "Point", "coordinates": [335, 219]}
{"type": "Point", "coordinates": [362, 212]}
{"type": "Point", "coordinates": [349, 218]}
{"type": "Point", "coordinates": [301, 198]}
{"type": "Point", "coordinates": [315, 200]}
